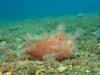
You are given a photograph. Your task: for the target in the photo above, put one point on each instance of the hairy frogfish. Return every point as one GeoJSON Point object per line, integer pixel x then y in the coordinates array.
{"type": "Point", "coordinates": [58, 45]}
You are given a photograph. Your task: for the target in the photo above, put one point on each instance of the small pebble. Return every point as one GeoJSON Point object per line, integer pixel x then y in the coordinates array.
{"type": "Point", "coordinates": [79, 32]}
{"type": "Point", "coordinates": [8, 73]}
{"type": "Point", "coordinates": [97, 51]}
{"type": "Point", "coordinates": [62, 68]}
{"type": "Point", "coordinates": [97, 32]}
{"type": "Point", "coordinates": [87, 71]}
{"type": "Point", "coordinates": [98, 57]}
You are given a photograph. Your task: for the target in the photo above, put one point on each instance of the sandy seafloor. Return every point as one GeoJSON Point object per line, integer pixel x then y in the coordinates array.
{"type": "Point", "coordinates": [15, 35]}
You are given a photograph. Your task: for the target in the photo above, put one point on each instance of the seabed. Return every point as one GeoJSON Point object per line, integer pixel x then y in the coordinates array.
{"type": "Point", "coordinates": [15, 35]}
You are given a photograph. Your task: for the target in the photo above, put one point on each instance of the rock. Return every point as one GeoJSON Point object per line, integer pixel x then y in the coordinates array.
{"type": "Point", "coordinates": [69, 73]}
{"type": "Point", "coordinates": [98, 57]}
{"type": "Point", "coordinates": [8, 73]}
{"type": "Point", "coordinates": [3, 43]}
{"type": "Point", "coordinates": [62, 68]}
{"type": "Point", "coordinates": [9, 56]}
{"type": "Point", "coordinates": [19, 40]}
{"type": "Point", "coordinates": [98, 14]}
{"type": "Point", "coordinates": [80, 15]}
{"type": "Point", "coordinates": [97, 51]}
{"type": "Point", "coordinates": [79, 32]}
{"type": "Point", "coordinates": [87, 71]}
{"type": "Point", "coordinates": [97, 32]}
{"type": "Point", "coordinates": [77, 53]}
{"type": "Point", "coordinates": [1, 73]}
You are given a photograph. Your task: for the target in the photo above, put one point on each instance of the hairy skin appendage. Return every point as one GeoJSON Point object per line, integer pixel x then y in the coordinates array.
{"type": "Point", "coordinates": [58, 45]}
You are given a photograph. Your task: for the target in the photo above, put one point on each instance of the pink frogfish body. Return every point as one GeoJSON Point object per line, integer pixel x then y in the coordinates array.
{"type": "Point", "coordinates": [58, 45]}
